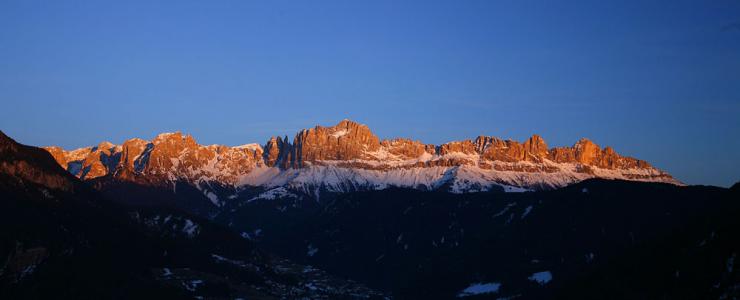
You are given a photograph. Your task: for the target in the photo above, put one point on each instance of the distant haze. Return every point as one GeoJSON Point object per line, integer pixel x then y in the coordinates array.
{"type": "Point", "coordinates": [657, 80]}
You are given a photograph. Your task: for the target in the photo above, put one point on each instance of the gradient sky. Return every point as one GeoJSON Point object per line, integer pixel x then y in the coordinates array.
{"type": "Point", "coordinates": [658, 80]}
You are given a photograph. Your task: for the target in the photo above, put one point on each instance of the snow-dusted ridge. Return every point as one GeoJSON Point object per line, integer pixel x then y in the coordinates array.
{"type": "Point", "coordinates": [460, 179]}
{"type": "Point", "coordinates": [251, 147]}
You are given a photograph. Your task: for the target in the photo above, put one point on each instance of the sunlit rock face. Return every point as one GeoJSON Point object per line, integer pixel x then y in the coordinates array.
{"type": "Point", "coordinates": [345, 141]}
{"type": "Point", "coordinates": [348, 157]}
{"type": "Point", "coordinates": [169, 156]}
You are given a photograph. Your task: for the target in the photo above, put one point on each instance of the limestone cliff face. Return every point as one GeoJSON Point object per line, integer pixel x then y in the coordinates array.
{"type": "Point", "coordinates": [407, 148]}
{"type": "Point", "coordinates": [464, 147]}
{"type": "Point", "coordinates": [535, 149]}
{"type": "Point", "coordinates": [169, 156]}
{"type": "Point", "coordinates": [495, 149]}
{"type": "Point", "coordinates": [278, 152]}
{"type": "Point", "coordinates": [90, 162]}
{"type": "Point", "coordinates": [273, 150]}
{"type": "Point", "coordinates": [58, 154]}
{"type": "Point", "coordinates": [588, 153]}
{"type": "Point", "coordinates": [349, 145]}
{"type": "Point", "coordinates": [345, 141]}
{"type": "Point", "coordinates": [131, 154]}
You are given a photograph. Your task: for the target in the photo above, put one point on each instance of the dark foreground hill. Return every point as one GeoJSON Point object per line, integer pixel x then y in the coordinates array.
{"type": "Point", "coordinates": [61, 239]}
{"type": "Point", "coordinates": [593, 240]}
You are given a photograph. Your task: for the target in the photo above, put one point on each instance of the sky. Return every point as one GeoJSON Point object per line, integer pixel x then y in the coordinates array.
{"type": "Point", "coordinates": [657, 80]}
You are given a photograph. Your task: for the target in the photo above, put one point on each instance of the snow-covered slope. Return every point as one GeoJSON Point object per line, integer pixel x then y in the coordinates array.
{"type": "Point", "coordinates": [455, 179]}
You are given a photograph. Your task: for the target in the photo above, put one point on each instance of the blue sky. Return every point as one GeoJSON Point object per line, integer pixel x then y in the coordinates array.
{"type": "Point", "coordinates": [658, 80]}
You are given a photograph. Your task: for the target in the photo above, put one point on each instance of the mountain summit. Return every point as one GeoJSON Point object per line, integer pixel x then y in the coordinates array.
{"type": "Point", "coordinates": [349, 157]}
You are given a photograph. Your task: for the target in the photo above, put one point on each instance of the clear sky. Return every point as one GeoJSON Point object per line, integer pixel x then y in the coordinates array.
{"type": "Point", "coordinates": [658, 80]}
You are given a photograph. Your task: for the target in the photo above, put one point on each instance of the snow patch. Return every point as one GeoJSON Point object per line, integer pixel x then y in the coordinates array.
{"type": "Point", "coordinates": [541, 278]}
{"type": "Point", "coordinates": [276, 193]}
{"type": "Point", "coordinates": [479, 288]}
{"type": "Point", "coordinates": [515, 189]}
{"type": "Point", "coordinates": [506, 209]}
{"type": "Point", "coordinates": [192, 284]}
{"type": "Point", "coordinates": [214, 199]}
{"type": "Point", "coordinates": [222, 259]}
{"type": "Point", "coordinates": [590, 257]}
{"type": "Point", "coordinates": [251, 147]}
{"type": "Point", "coordinates": [527, 211]}
{"type": "Point", "coordinates": [731, 263]}
{"type": "Point", "coordinates": [311, 250]}
{"type": "Point", "coordinates": [340, 133]}
{"type": "Point", "coordinates": [28, 270]}
{"type": "Point", "coordinates": [190, 228]}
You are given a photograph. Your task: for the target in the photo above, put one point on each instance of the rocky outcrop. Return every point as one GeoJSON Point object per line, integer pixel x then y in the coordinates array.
{"type": "Point", "coordinates": [59, 155]}
{"type": "Point", "coordinates": [407, 148]}
{"type": "Point", "coordinates": [535, 149]}
{"type": "Point", "coordinates": [345, 141]}
{"type": "Point", "coordinates": [353, 146]}
{"type": "Point", "coordinates": [131, 154]}
{"type": "Point", "coordinates": [169, 156]}
{"type": "Point", "coordinates": [464, 147]}
{"type": "Point", "coordinates": [278, 152]}
{"type": "Point", "coordinates": [588, 153]}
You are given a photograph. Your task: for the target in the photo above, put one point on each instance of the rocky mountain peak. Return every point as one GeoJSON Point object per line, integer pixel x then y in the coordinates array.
{"type": "Point", "coordinates": [105, 145]}
{"type": "Point", "coordinates": [536, 147]}
{"type": "Point", "coordinates": [345, 141]}
{"type": "Point", "coordinates": [406, 148]}
{"type": "Point", "coordinates": [277, 151]}
{"type": "Point", "coordinates": [586, 151]}
{"type": "Point", "coordinates": [174, 138]}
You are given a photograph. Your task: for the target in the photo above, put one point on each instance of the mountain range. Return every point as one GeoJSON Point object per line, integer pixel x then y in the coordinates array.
{"type": "Point", "coordinates": [348, 157]}
{"type": "Point", "coordinates": [337, 213]}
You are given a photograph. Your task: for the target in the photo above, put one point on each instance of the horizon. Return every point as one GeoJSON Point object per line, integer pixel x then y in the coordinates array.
{"type": "Point", "coordinates": [654, 81]}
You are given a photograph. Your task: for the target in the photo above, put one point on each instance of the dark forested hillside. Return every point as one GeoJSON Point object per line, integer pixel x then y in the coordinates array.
{"type": "Point", "coordinates": [595, 239]}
